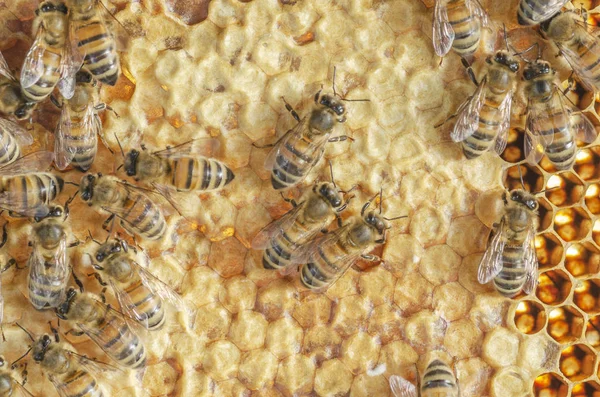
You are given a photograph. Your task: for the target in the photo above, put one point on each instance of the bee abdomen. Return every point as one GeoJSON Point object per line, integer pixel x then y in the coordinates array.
{"type": "Point", "coordinates": [526, 13]}
{"type": "Point", "coordinates": [80, 383]}
{"type": "Point", "coordinates": [511, 278]}
{"type": "Point", "coordinates": [42, 88]}
{"type": "Point", "coordinates": [561, 152]}
{"type": "Point", "coordinates": [47, 292]}
{"type": "Point", "coordinates": [199, 174]}
{"type": "Point", "coordinates": [122, 345]}
{"type": "Point", "coordinates": [467, 29]}
{"type": "Point", "coordinates": [147, 305]}
{"type": "Point", "coordinates": [145, 219]}
{"type": "Point", "coordinates": [9, 149]}
{"type": "Point", "coordinates": [487, 131]}
{"type": "Point", "coordinates": [101, 59]}
{"type": "Point", "coordinates": [438, 375]}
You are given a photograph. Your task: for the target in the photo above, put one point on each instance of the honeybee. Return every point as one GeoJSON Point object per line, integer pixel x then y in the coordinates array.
{"type": "Point", "coordinates": [578, 45]}
{"type": "Point", "coordinates": [49, 267]}
{"type": "Point", "coordinates": [48, 62]}
{"type": "Point", "coordinates": [94, 42]}
{"type": "Point", "coordinates": [105, 327]}
{"type": "Point", "coordinates": [484, 119]}
{"type": "Point", "coordinates": [141, 295]}
{"type": "Point", "coordinates": [9, 386]}
{"type": "Point", "coordinates": [281, 238]}
{"type": "Point", "coordinates": [138, 214]}
{"type": "Point", "coordinates": [76, 138]}
{"type": "Point", "coordinates": [25, 189]}
{"type": "Point", "coordinates": [12, 101]}
{"type": "Point", "coordinates": [438, 380]}
{"type": "Point", "coordinates": [327, 258]}
{"type": "Point", "coordinates": [510, 258]}
{"type": "Point", "coordinates": [296, 153]}
{"type": "Point", "coordinates": [12, 137]}
{"type": "Point", "coordinates": [532, 12]}
{"type": "Point", "coordinates": [457, 24]}
{"type": "Point", "coordinates": [552, 126]}
{"type": "Point", "coordinates": [183, 167]}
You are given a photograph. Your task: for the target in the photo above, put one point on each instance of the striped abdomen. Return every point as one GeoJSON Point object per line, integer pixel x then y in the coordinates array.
{"type": "Point", "coordinates": [148, 307]}
{"type": "Point", "coordinates": [143, 217]}
{"type": "Point", "coordinates": [78, 383]}
{"type": "Point", "coordinates": [529, 11]}
{"type": "Point", "coordinates": [32, 190]}
{"type": "Point", "coordinates": [45, 85]}
{"type": "Point", "coordinates": [467, 28]}
{"type": "Point", "coordinates": [438, 380]}
{"type": "Point", "coordinates": [324, 265]}
{"type": "Point", "coordinates": [47, 286]}
{"type": "Point", "coordinates": [80, 143]}
{"type": "Point", "coordinates": [490, 120]}
{"type": "Point", "coordinates": [512, 277]}
{"type": "Point", "coordinates": [201, 173]}
{"type": "Point", "coordinates": [277, 254]}
{"type": "Point", "coordinates": [9, 148]}
{"type": "Point", "coordinates": [561, 152]}
{"type": "Point", "coordinates": [117, 340]}
{"type": "Point", "coordinates": [94, 40]}
{"type": "Point", "coordinates": [294, 160]}
{"type": "Point", "coordinates": [587, 52]}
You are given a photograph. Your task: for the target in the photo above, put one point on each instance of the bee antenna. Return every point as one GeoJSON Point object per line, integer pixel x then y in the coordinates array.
{"type": "Point", "coordinates": [505, 37]}
{"type": "Point", "coordinates": [380, 199]}
{"type": "Point", "coordinates": [547, 190]}
{"type": "Point", "coordinates": [72, 183]}
{"type": "Point", "coordinates": [333, 83]}
{"type": "Point", "coordinates": [396, 217]}
{"type": "Point", "coordinates": [341, 97]}
{"type": "Point", "coordinates": [92, 237]}
{"type": "Point", "coordinates": [331, 172]}
{"type": "Point", "coordinates": [119, 167]}
{"type": "Point", "coordinates": [521, 176]}
{"type": "Point", "coordinates": [23, 356]}
{"type": "Point", "coordinates": [519, 54]}
{"type": "Point", "coordinates": [28, 334]}
{"type": "Point", "coordinates": [120, 147]}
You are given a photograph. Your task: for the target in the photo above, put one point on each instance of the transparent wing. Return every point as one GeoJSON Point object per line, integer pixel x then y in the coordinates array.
{"type": "Point", "coordinates": [4, 69]}
{"type": "Point", "coordinates": [401, 387]}
{"type": "Point", "coordinates": [22, 389]}
{"type": "Point", "coordinates": [11, 201]}
{"type": "Point", "coordinates": [42, 274]}
{"type": "Point", "coordinates": [491, 263]}
{"type": "Point", "coordinates": [550, 8]}
{"type": "Point", "coordinates": [443, 34]}
{"type": "Point", "coordinates": [93, 366]}
{"type": "Point", "coordinates": [118, 32]}
{"type": "Point", "coordinates": [62, 155]}
{"type": "Point", "coordinates": [290, 138]}
{"type": "Point", "coordinates": [68, 69]}
{"type": "Point", "coordinates": [477, 10]}
{"type": "Point", "coordinates": [467, 121]}
{"type": "Point", "coordinates": [61, 387]}
{"type": "Point", "coordinates": [502, 137]}
{"type": "Point", "coordinates": [206, 147]}
{"type": "Point", "coordinates": [531, 261]}
{"type": "Point", "coordinates": [33, 162]}
{"type": "Point", "coordinates": [97, 335]}
{"type": "Point", "coordinates": [534, 148]}
{"type": "Point", "coordinates": [582, 128]}
{"type": "Point", "coordinates": [544, 119]}
{"type": "Point", "coordinates": [1, 303]}
{"type": "Point", "coordinates": [304, 253]}
{"type": "Point", "coordinates": [163, 290]}
{"type": "Point", "coordinates": [22, 136]}
{"type": "Point", "coordinates": [276, 228]}
{"type": "Point", "coordinates": [591, 47]}
{"type": "Point", "coordinates": [33, 65]}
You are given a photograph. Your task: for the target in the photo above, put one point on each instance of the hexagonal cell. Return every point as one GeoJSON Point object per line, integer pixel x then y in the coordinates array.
{"type": "Point", "coordinates": [582, 259]}
{"type": "Point", "coordinates": [586, 164]}
{"type": "Point", "coordinates": [592, 331]}
{"type": "Point", "coordinates": [586, 296]}
{"type": "Point", "coordinates": [550, 384]}
{"type": "Point", "coordinates": [564, 189]}
{"type": "Point", "coordinates": [515, 144]}
{"type": "Point", "coordinates": [592, 198]}
{"type": "Point", "coordinates": [553, 288]}
{"type": "Point", "coordinates": [549, 250]}
{"type": "Point", "coordinates": [565, 324]}
{"type": "Point", "coordinates": [530, 317]}
{"type": "Point", "coordinates": [533, 180]}
{"type": "Point", "coordinates": [577, 362]}
{"type": "Point", "coordinates": [545, 214]}
{"type": "Point", "coordinates": [572, 223]}
{"type": "Point", "coordinates": [586, 389]}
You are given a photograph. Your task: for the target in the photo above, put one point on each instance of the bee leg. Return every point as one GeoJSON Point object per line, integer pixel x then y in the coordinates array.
{"type": "Point", "coordinates": [4, 234]}
{"type": "Point", "coordinates": [73, 332]}
{"type": "Point", "coordinates": [470, 71]}
{"type": "Point", "coordinates": [289, 200]}
{"type": "Point", "coordinates": [24, 375]}
{"type": "Point", "coordinates": [339, 220]}
{"type": "Point", "coordinates": [55, 101]}
{"type": "Point", "coordinates": [54, 332]}
{"type": "Point", "coordinates": [107, 221]}
{"type": "Point", "coordinates": [2, 332]}
{"type": "Point", "coordinates": [571, 84]}
{"type": "Point", "coordinates": [340, 138]}
{"type": "Point", "coordinates": [98, 278]}
{"type": "Point", "coordinates": [291, 109]}
{"type": "Point", "coordinates": [102, 296]}
{"type": "Point", "coordinates": [11, 262]}
{"type": "Point", "coordinates": [371, 258]}
{"type": "Point", "coordinates": [77, 280]}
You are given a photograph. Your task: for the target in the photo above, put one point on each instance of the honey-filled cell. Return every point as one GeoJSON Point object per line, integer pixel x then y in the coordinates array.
{"type": "Point", "coordinates": [586, 296]}
{"type": "Point", "coordinates": [554, 287]}
{"type": "Point", "coordinates": [582, 259]}
{"type": "Point", "coordinates": [577, 362]}
{"type": "Point", "coordinates": [592, 331]}
{"type": "Point", "coordinates": [586, 389]}
{"type": "Point", "coordinates": [549, 250]}
{"type": "Point", "coordinates": [533, 179]}
{"type": "Point", "coordinates": [592, 198]}
{"type": "Point", "coordinates": [514, 147]}
{"type": "Point", "coordinates": [572, 224]}
{"type": "Point", "coordinates": [564, 189]}
{"type": "Point", "coordinates": [565, 324]}
{"type": "Point", "coordinates": [587, 164]}
{"type": "Point", "coordinates": [530, 317]}
{"type": "Point", "coordinates": [550, 385]}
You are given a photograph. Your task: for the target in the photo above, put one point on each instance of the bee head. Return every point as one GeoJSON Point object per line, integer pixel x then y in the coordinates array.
{"type": "Point", "coordinates": [109, 249]}
{"type": "Point", "coordinates": [47, 7]}
{"type": "Point", "coordinates": [536, 69]}
{"type": "Point", "coordinates": [40, 347]}
{"type": "Point", "coordinates": [376, 221]}
{"type": "Point", "coordinates": [24, 110]}
{"type": "Point", "coordinates": [86, 187]}
{"type": "Point", "coordinates": [524, 198]}
{"type": "Point", "coordinates": [333, 104]}
{"type": "Point", "coordinates": [505, 59]}
{"type": "Point", "coordinates": [131, 160]}
{"type": "Point", "coordinates": [63, 309]}
{"type": "Point", "coordinates": [330, 193]}
{"type": "Point", "coordinates": [2, 362]}
{"type": "Point", "coordinates": [54, 212]}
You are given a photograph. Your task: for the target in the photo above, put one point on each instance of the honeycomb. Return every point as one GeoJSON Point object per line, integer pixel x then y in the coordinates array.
{"type": "Point", "coordinates": [218, 69]}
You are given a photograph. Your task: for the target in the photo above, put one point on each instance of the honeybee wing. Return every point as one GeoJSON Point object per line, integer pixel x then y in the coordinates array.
{"type": "Point", "coordinates": [22, 136]}
{"type": "Point", "coordinates": [33, 65]}
{"type": "Point", "coordinates": [591, 42]}
{"type": "Point", "coordinates": [502, 137]}
{"type": "Point", "coordinates": [491, 263]}
{"type": "Point", "coordinates": [534, 148]}
{"type": "Point", "coordinates": [22, 389]}
{"type": "Point", "coordinates": [4, 69]}
{"type": "Point", "coordinates": [62, 155]}
{"type": "Point", "coordinates": [401, 387]}
{"type": "Point", "coordinates": [304, 253]}
{"type": "Point", "coordinates": [443, 34]}
{"type": "Point", "coordinates": [38, 271]}
{"type": "Point", "coordinates": [550, 8]}
{"type": "Point", "coordinates": [289, 139]}
{"type": "Point", "coordinates": [531, 261]}
{"type": "Point", "coordinates": [117, 31]}
{"type": "Point", "coordinates": [206, 147]}
{"type": "Point", "coordinates": [581, 127]}
{"type": "Point", "coordinates": [468, 117]}
{"type": "Point", "coordinates": [477, 10]}
{"type": "Point", "coordinates": [61, 387]}
{"type": "Point", "coordinates": [276, 228]}
{"type": "Point", "coordinates": [33, 162]}
{"type": "Point", "coordinates": [68, 69]}
{"type": "Point", "coordinates": [1, 303]}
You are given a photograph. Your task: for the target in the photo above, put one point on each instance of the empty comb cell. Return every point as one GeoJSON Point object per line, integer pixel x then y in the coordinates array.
{"type": "Point", "coordinates": [577, 362]}
{"type": "Point", "coordinates": [565, 324]}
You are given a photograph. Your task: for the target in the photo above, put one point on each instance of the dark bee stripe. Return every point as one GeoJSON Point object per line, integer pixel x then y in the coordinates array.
{"type": "Point", "coordinates": [97, 37]}
{"type": "Point", "coordinates": [206, 176]}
